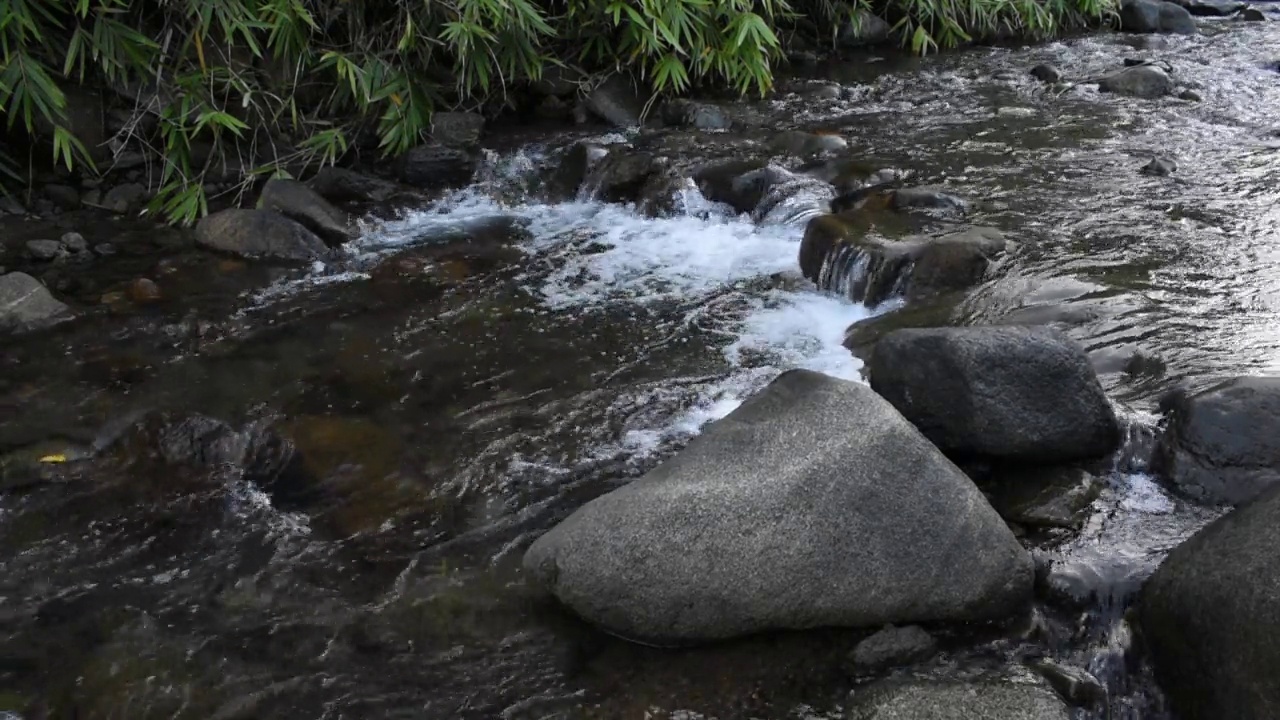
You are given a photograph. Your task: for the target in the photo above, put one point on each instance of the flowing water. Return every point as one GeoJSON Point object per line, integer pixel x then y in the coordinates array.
{"type": "Point", "coordinates": [449, 401]}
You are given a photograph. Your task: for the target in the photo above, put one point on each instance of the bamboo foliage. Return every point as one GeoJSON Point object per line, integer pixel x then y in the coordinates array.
{"type": "Point", "coordinates": [272, 84]}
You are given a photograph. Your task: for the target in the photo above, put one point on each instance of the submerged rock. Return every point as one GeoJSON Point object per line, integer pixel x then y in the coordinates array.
{"type": "Point", "coordinates": [1011, 393]}
{"type": "Point", "coordinates": [1141, 81]}
{"type": "Point", "coordinates": [1156, 16]}
{"type": "Point", "coordinates": [982, 700]}
{"type": "Point", "coordinates": [814, 504]}
{"type": "Point", "coordinates": [805, 144]}
{"type": "Point", "coordinates": [1046, 73]}
{"type": "Point", "coordinates": [300, 203]}
{"type": "Point", "coordinates": [1210, 616]}
{"type": "Point", "coordinates": [1222, 445]}
{"type": "Point", "coordinates": [259, 234]}
{"type": "Point", "coordinates": [891, 647]}
{"type": "Point", "coordinates": [25, 304]}
{"type": "Point", "coordinates": [838, 252]}
{"type": "Point", "coordinates": [1160, 166]}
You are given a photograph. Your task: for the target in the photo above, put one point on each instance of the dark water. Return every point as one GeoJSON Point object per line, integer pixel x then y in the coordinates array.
{"type": "Point", "coordinates": [459, 384]}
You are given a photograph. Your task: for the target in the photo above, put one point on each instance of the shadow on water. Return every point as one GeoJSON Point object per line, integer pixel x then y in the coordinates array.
{"type": "Point", "coordinates": [305, 492]}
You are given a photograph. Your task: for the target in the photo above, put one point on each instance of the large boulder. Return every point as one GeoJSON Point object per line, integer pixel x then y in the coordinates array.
{"type": "Point", "coordinates": [1156, 16]}
{"type": "Point", "coordinates": [302, 204]}
{"type": "Point", "coordinates": [814, 504]}
{"type": "Point", "coordinates": [259, 234]}
{"type": "Point", "coordinates": [1210, 617]}
{"type": "Point", "coordinates": [1007, 393]}
{"type": "Point", "coordinates": [25, 304]}
{"type": "Point", "coordinates": [1141, 81]}
{"type": "Point", "coordinates": [841, 252]}
{"type": "Point", "coordinates": [984, 700]}
{"type": "Point", "coordinates": [1222, 445]}
{"type": "Point", "coordinates": [1211, 8]}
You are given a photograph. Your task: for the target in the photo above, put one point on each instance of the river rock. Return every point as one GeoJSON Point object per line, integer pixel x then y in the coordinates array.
{"type": "Point", "coordinates": [575, 165]}
{"type": "Point", "coordinates": [125, 198]}
{"type": "Point", "coordinates": [1156, 16]}
{"type": "Point", "coordinates": [805, 144]}
{"type": "Point", "coordinates": [890, 647]}
{"type": "Point", "coordinates": [983, 700]}
{"type": "Point", "coordinates": [63, 196]}
{"type": "Point", "coordinates": [863, 29]}
{"type": "Point", "coordinates": [74, 242]}
{"type": "Point", "coordinates": [1159, 167]}
{"type": "Point", "coordinates": [1190, 95]}
{"type": "Point", "coordinates": [1046, 73]}
{"type": "Point", "coordinates": [340, 184]}
{"type": "Point", "coordinates": [1142, 81]}
{"type": "Point", "coordinates": [45, 250]}
{"type": "Point", "coordinates": [616, 101]}
{"type": "Point", "coordinates": [697, 115]}
{"type": "Point", "coordinates": [1253, 15]}
{"type": "Point", "coordinates": [259, 234]}
{"type": "Point", "coordinates": [740, 184]}
{"type": "Point", "coordinates": [144, 291]}
{"type": "Point", "coordinates": [1011, 393]}
{"type": "Point", "coordinates": [1211, 8]}
{"type": "Point", "coordinates": [1038, 496]}
{"type": "Point", "coordinates": [1222, 445]}
{"type": "Point", "coordinates": [1077, 686]}
{"type": "Point", "coordinates": [25, 304]}
{"type": "Point", "coordinates": [1210, 616]}
{"type": "Point", "coordinates": [838, 253]}
{"type": "Point", "coordinates": [436, 166]}
{"type": "Point", "coordinates": [301, 204]}
{"type": "Point", "coordinates": [621, 175]}
{"type": "Point", "coordinates": [814, 504]}
{"type": "Point", "coordinates": [457, 129]}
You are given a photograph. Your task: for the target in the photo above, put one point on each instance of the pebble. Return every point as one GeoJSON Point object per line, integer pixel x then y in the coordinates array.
{"type": "Point", "coordinates": [44, 249]}
{"type": "Point", "coordinates": [105, 249]}
{"type": "Point", "coordinates": [144, 292]}
{"type": "Point", "coordinates": [74, 242]}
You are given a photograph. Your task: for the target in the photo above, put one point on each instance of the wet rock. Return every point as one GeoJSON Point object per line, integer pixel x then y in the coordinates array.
{"type": "Point", "coordinates": [697, 115]}
{"type": "Point", "coordinates": [1142, 81]}
{"type": "Point", "coordinates": [1210, 616]}
{"type": "Point", "coordinates": [861, 337]}
{"type": "Point", "coordinates": [125, 198]}
{"type": "Point", "coordinates": [805, 144]}
{"type": "Point", "coordinates": [881, 529]}
{"type": "Point", "coordinates": [1160, 166]}
{"type": "Point", "coordinates": [1011, 393]}
{"type": "Point", "coordinates": [837, 253]}
{"type": "Point", "coordinates": [904, 198]}
{"type": "Point", "coordinates": [1253, 15]}
{"type": "Point", "coordinates": [1046, 73]}
{"type": "Point", "coordinates": [1190, 96]}
{"type": "Point", "coordinates": [575, 165]}
{"type": "Point", "coordinates": [826, 91]}
{"type": "Point", "coordinates": [621, 175]}
{"type": "Point", "coordinates": [1211, 8]}
{"type": "Point", "coordinates": [436, 166]}
{"type": "Point", "coordinates": [144, 291]}
{"type": "Point", "coordinates": [259, 234]}
{"type": "Point", "coordinates": [457, 129]}
{"type": "Point", "coordinates": [301, 204]}
{"type": "Point", "coordinates": [1076, 686]}
{"type": "Point", "coordinates": [1222, 445]}
{"type": "Point", "coordinates": [982, 700]}
{"type": "Point", "coordinates": [64, 197]}
{"type": "Point", "coordinates": [105, 249]}
{"type": "Point", "coordinates": [740, 184]}
{"type": "Point", "coordinates": [25, 304]}
{"type": "Point", "coordinates": [1156, 16]}
{"type": "Point", "coordinates": [74, 242]}
{"type": "Point", "coordinates": [891, 647]}
{"type": "Point", "coordinates": [863, 29]}
{"type": "Point", "coordinates": [45, 250]}
{"type": "Point", "coordinates": [789, 198]}
{"type": "Point", "coordinates": [340, 185]}
{"type": "Point", "coordinates": [1043, 496]}
{"type": "Point", "coordinates": [616, 101]}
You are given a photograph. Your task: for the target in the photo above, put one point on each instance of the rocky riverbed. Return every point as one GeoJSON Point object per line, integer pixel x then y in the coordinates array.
{"type": "Point", "coordinates": [327, 462]}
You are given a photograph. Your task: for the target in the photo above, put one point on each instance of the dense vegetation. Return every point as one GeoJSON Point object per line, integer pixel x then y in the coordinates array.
{"type": "Point", "coordinates": [271, 84]}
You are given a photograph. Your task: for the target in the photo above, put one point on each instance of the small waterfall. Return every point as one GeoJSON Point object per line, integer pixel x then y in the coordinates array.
{"type": "Point", "coordinates": [866, 273]}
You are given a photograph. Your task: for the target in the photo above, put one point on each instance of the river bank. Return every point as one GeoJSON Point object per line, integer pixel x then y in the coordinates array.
{"type": "Point", "coordinates": [491, 378]}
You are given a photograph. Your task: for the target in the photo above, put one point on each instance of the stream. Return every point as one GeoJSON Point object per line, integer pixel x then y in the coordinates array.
{"type": "Point", "coordinates": [564, 349]}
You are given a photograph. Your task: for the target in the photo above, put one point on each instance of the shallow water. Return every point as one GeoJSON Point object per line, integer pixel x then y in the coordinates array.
{"type": "Point", "coordinates": [444, 419]}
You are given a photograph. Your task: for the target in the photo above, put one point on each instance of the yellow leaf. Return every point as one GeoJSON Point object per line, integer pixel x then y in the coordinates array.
{"type": "Point", "coordinates": [55, 458]}
{"type": "Point", "coordinates": [395, 98]}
